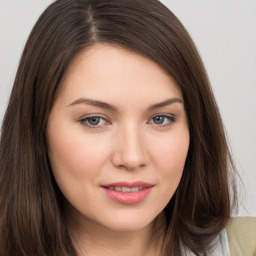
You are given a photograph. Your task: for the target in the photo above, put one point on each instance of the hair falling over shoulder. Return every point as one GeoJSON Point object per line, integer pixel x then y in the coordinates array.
{"type": "Point", "coordinates": [32, 220]}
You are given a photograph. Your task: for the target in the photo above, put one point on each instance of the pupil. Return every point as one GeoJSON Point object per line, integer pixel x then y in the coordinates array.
{"type": "Point", "coordinates": [94, 120]}
{"type": "Point", "coordinates": [158, 119]}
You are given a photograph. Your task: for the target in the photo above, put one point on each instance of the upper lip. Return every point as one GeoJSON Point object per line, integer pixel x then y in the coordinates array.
{"type": "Point", "coordinates": [129, 184]}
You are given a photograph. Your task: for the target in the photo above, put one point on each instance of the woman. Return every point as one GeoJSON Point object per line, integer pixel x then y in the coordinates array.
{"type": "Point", "coordinates": [112, 143]}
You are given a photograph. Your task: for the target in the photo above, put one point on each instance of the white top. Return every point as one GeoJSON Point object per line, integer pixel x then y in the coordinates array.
{"type": "Point", "coordinates": [221, 248]}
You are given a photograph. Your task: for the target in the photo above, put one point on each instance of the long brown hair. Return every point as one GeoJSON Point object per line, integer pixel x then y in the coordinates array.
{"type": "Point", "coordinates": [31, 204]}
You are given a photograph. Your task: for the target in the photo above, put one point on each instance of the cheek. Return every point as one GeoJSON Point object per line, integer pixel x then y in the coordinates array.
{"type": "Point", "coordinates": [76, 161]}
{"type": "Point", "coordinates": [172, 152]}
{"type": "Point", "coordinates": [75, 153]}
{"type": "Point", "coordinates": [170, 159]}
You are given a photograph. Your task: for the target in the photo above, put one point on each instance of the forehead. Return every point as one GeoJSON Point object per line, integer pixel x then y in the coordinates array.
{"type": "Point", "coordinates": [110, 72]}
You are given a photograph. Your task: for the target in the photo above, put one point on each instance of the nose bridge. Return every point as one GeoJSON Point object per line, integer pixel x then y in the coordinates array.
{"type": "Point", "coordinates": [130, 151]}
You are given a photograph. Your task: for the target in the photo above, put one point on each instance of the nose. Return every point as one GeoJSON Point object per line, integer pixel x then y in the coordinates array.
{"type": "Point", "coordinates": [130, 149]}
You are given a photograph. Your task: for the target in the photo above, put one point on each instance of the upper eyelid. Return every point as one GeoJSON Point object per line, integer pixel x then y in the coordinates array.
{"type": "Point", "coordinates": [84, 122]}
{"type": "Point", "coordinates": [92, 115]}
{"type": "Point", "coordinates": [103, 116]}
{"type": "Point", "coordinates": [171, 120]}
{"type": "Point", "coordinates": [107, 118]}
{"type": "Point", "coordinates": [162, 114]}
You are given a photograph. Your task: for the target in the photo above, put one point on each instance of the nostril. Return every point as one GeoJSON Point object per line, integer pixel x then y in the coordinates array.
{"type": "Point", "coordinates": [129, 152]}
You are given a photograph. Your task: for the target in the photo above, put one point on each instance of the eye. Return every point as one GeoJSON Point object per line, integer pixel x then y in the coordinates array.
{"type": "Point", "coordinates": [162, 120]}
{"type": "Point", "coordinates": [93, 121]}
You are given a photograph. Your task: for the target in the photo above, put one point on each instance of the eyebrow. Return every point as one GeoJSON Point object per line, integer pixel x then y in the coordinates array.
{"type": "Point", "coordinates": [104, 105]}
{"type": "Point", "coordinates": [165, 103]}
{"type": "Point", "coordinates": [96, 103]}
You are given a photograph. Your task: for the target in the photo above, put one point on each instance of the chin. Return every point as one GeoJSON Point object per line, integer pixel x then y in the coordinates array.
{"type": "Point", "coordinates": [128, 223]}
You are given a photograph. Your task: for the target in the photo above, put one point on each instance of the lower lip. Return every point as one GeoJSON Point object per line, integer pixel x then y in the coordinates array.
{"type": "Point", "coordinates": [128, 197]}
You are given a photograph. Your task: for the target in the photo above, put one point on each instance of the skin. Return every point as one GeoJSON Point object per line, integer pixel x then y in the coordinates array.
{"type": "Point", "coordinates": [128, 144]}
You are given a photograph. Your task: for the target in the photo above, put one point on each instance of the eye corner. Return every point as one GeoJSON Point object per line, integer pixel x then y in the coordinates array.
{"type": "Point", "coordinates": [162, 120]}
{"type": "Point", "coordinates": [94, 121]}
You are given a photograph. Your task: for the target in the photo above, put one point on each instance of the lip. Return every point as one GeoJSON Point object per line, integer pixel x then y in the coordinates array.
{"type": "Point", "coordinates": [128, 197]}
{"type": "Point", "coordinates": [129, 184]}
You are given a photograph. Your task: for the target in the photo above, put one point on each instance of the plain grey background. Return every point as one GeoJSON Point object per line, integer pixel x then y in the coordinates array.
{"type": "Point", "coordinates": [225, 34]}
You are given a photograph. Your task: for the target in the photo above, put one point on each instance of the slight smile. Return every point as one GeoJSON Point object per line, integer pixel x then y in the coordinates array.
{"type": "Point", "coordinates": [128, 193]}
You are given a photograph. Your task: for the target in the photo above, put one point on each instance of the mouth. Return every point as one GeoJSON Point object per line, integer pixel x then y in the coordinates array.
{"type": "Point", "coordinates": [128, 193]}
{"type": "Point", "coordinates": [126, 189]}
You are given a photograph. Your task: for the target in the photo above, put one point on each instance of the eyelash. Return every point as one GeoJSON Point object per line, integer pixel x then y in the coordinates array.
{"type": "Point", "coordinates": [169, 118]}
{"type": "Point", "coordinates": [84, 121]}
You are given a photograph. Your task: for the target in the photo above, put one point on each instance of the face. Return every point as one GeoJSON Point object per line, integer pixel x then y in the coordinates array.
{"type": "Point", "coordinates": [117, 138]}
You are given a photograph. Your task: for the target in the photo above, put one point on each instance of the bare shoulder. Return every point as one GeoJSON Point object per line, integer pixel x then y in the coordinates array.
{"type": "Point", "coordinates": [241, 233]}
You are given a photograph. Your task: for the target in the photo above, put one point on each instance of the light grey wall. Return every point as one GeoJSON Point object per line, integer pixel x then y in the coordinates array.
{"type": "Point", "coordinates": [17, 18]}
{"type": "Point", "coordinates": [225, 34]}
